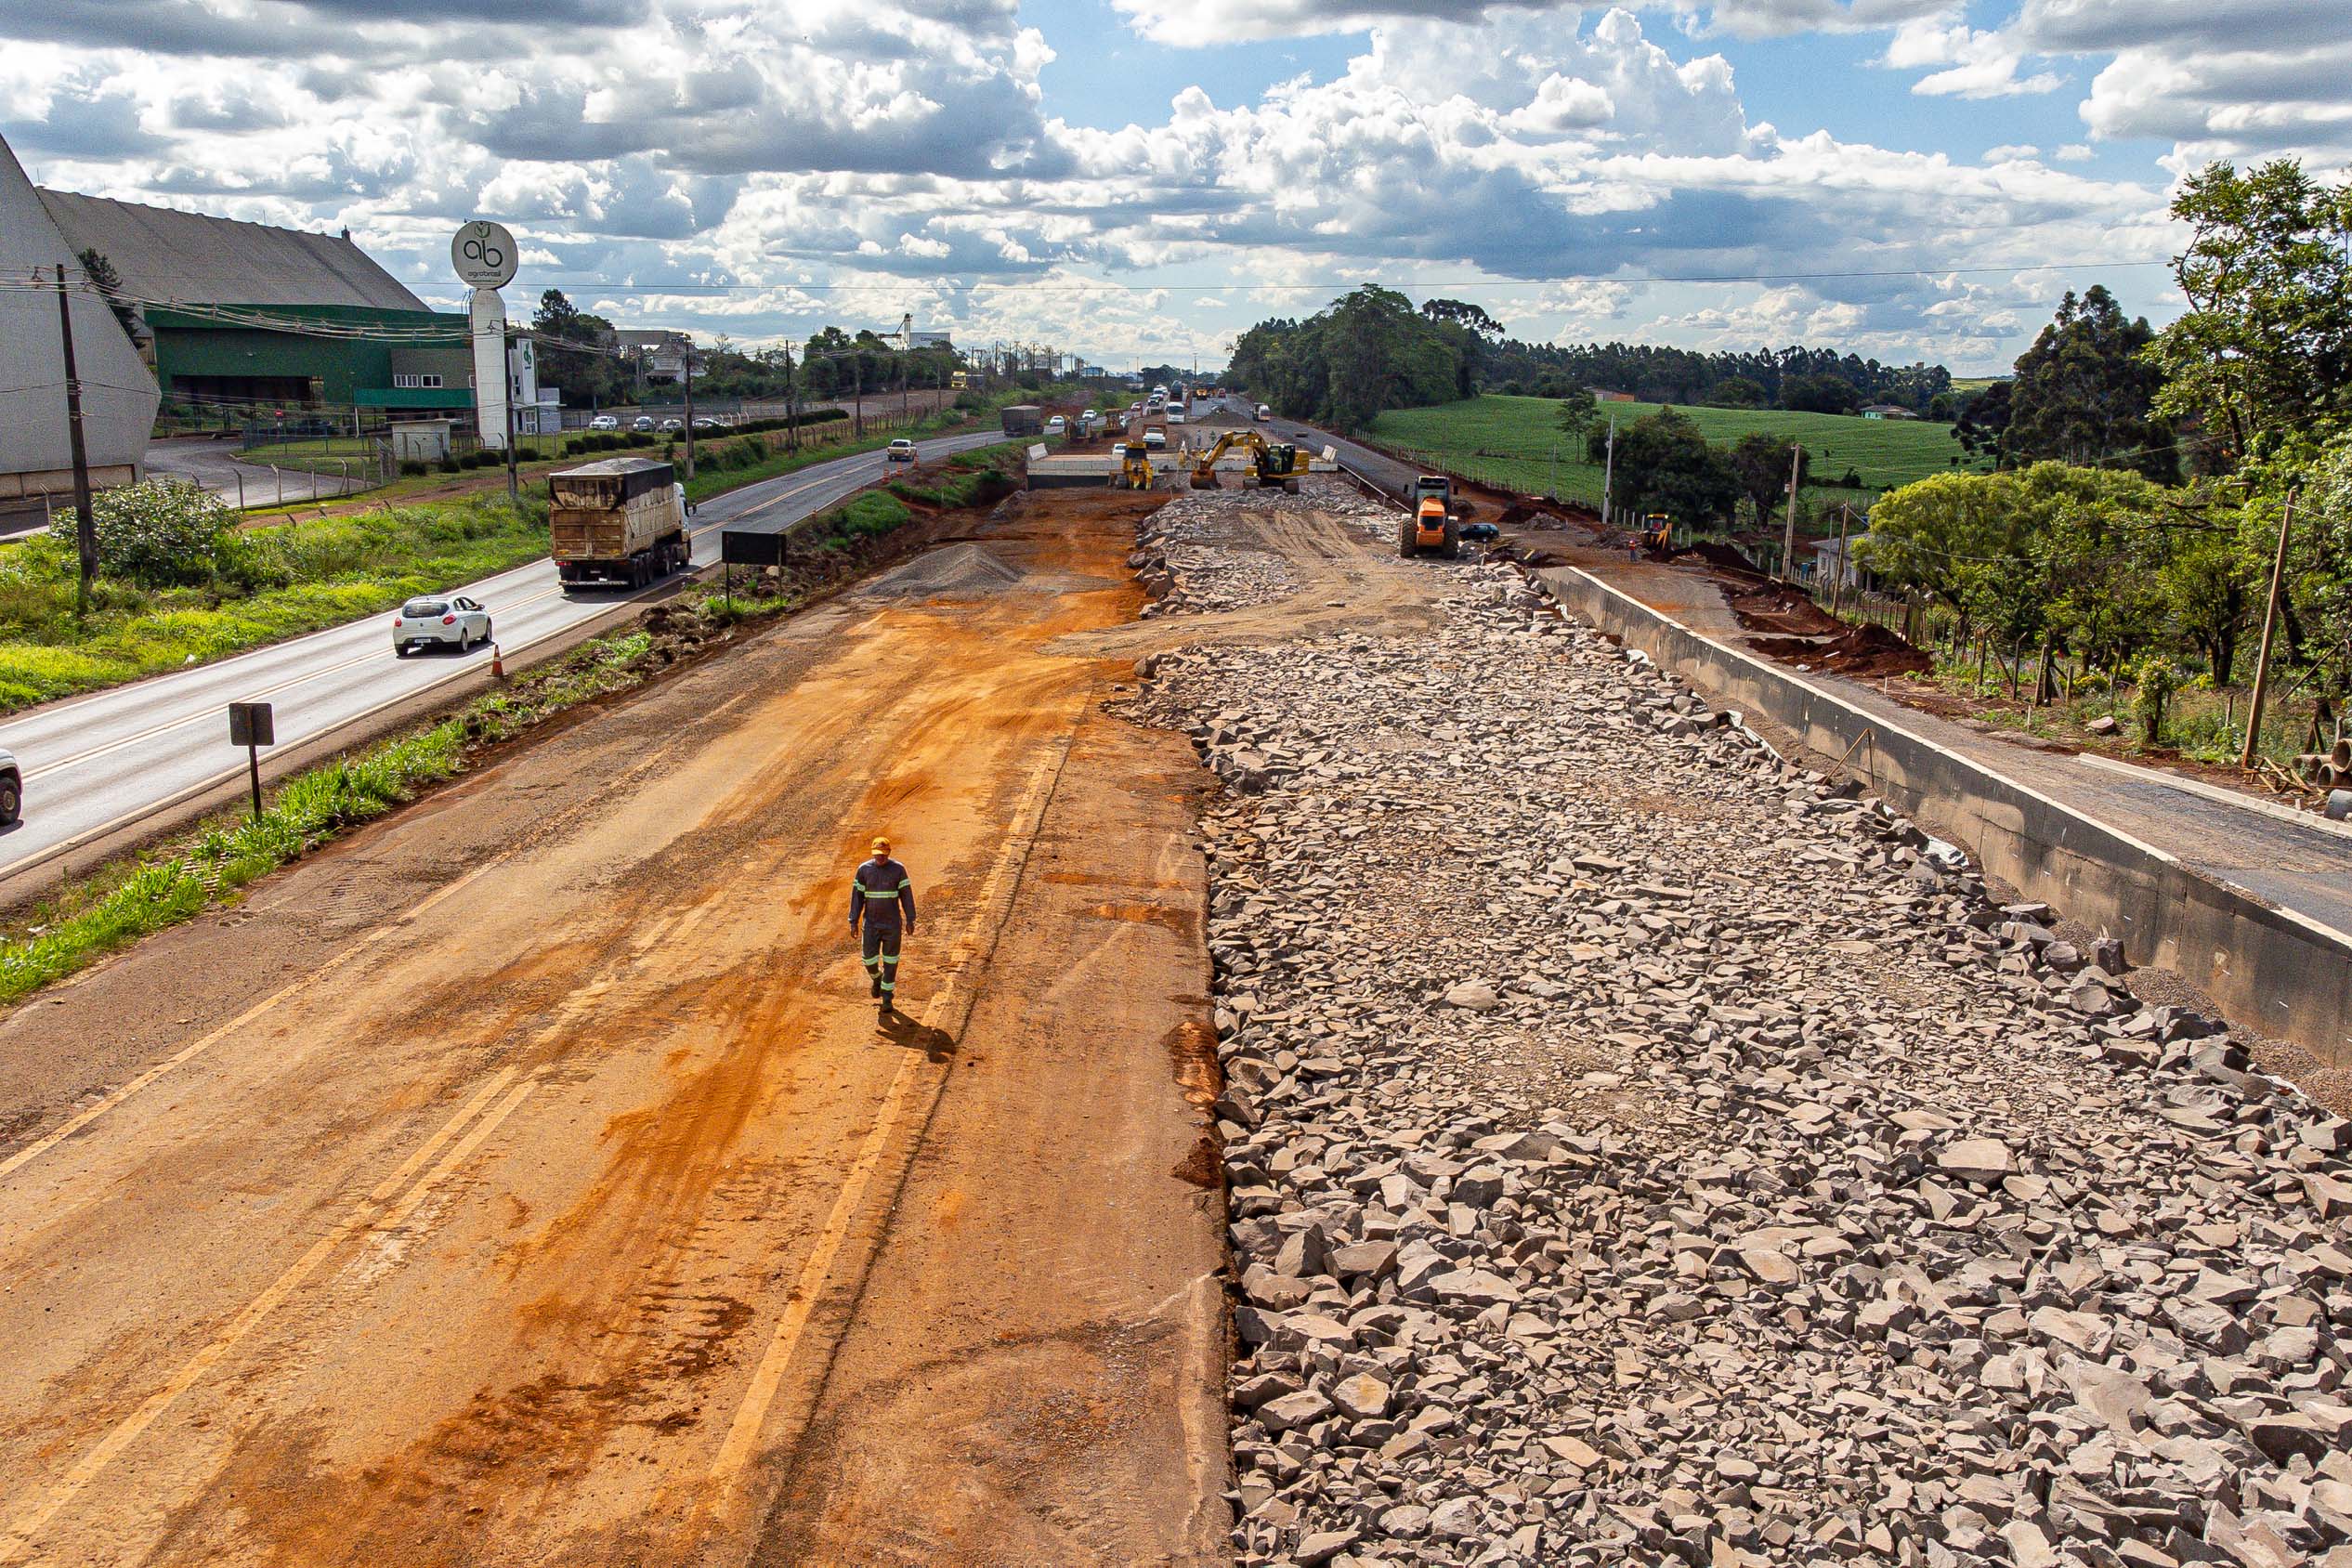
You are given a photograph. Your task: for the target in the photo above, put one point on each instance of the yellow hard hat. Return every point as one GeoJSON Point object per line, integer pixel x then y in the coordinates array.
{"type": "Point", "coordinates": [882, 845]}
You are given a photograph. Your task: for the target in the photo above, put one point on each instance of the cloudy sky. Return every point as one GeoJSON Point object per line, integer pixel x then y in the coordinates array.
{"type": "Point", "coordinates": [1126, 179]}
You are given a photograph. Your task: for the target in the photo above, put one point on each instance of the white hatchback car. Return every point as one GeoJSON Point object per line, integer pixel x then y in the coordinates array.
{"type": "Point", "coordinates": [604, 422]}
{"type": "Point", "coordinates": [448, 620]}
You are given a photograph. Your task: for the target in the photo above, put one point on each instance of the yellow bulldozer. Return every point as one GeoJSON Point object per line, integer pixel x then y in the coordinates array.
{"type": "Point", "coordinates": [1271, 462]}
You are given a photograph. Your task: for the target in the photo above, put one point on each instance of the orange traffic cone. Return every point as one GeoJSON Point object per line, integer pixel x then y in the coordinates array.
{"type": "Point", "coordinates": [497, 663]}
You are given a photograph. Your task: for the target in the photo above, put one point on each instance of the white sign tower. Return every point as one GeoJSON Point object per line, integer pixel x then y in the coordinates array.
{"type": "Point", "coordinates": [483, 254]}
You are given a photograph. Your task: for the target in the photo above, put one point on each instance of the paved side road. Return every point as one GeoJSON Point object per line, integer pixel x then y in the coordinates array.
{"type": "Point", "coordinates": [96, 763]}
{"type": "Point", "coordinates": [210, 466]}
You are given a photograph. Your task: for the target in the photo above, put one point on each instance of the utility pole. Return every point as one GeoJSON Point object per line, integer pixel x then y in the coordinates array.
{"type": "Point", "coordinates": [1788, 535]}
{"type": "Point", "coordinates": [690, 409]}
{"type": "Point", "coordinates": [1608, 470]}
{"type": "Point", "coordinates": [792, 408]}
{"type": "Point", "coordinates": [1838, 583]}
{"type": "Point", "coordinates": [84, 520]}
{"type": "Point", "coordinates": [857, 417]}
{"type": "Point", "coordinates": [514, 482]}
{"type": "Point", "coordinates": [2269, 628]}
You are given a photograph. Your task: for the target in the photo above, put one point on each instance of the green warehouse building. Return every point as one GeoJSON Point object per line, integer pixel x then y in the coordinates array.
{"type": "Point", "coordinates": [244, 314]}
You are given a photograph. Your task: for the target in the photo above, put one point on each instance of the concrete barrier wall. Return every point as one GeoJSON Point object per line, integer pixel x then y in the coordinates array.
{"type": "Point", "coordinates": [2272, 969]}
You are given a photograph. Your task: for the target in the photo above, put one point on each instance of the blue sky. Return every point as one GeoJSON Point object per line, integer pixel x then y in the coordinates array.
{"type": "Point", "coordinates": [1902, 179]}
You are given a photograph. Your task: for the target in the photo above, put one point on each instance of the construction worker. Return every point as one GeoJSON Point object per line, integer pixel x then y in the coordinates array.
{"type": "Point", "coordinates": [882, 894]}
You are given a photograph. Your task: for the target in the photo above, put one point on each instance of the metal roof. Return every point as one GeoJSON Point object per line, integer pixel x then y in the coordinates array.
{"type": "Point", "coordinates": [163, 255]}
{"type": "Point", "coordinates": [118, 395]}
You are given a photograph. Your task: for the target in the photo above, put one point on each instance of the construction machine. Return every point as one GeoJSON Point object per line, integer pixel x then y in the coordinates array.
{"type": "Point", "coordinates": [1271, 462]}
{"type": "Point", "coordinates": [1432, 521]}
{"type": "Point", "coordinates": [1657, 534]}
{"type": "Point", "coordinates": [1134, 468]}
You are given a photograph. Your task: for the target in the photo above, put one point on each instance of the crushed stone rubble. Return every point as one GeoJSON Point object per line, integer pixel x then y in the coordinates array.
{"type": "Point", "coordinates": [1640, 1150]}
{"type": "Point", "coordinates": [1187, 566]}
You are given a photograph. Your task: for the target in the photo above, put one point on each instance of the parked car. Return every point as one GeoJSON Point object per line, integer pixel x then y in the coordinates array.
{"type": "Point", "coordinates": [643, 421]}
{"type": "Point", "coordinates": [604, 422]}
{"type": "Point", "coordinates": [1154, 439]}
{"type": "Point", "coordinates": [710, 425]}
{"type": "Point", "coordinates": [899, 451]}
{"type": "Point", "coordinates": [1057, 426]}
{"type": "Point", "coordinates": [11, 789]}
{"type": "Point", "coordinates": [673, 425]}
{"type": "Point", "coordinates": [448, 620]}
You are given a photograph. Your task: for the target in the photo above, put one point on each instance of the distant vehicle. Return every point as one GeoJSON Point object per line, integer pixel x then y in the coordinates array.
{"type": "Point", "coordinates": [1056, 425]}
{"type": "Point", "coordinates": [11, 789]}
{"type": "Point", "coordinates": [710, 425]}
{"type": "Point", "coordinates": [1175, 416]}
{"type": "Point", "coordinates": [619, 522]}
{"type": "Point", "coordinates": [1481, 534]}
{"type": "Point", "coordinates": [673, 425]}
{"type": "Point", "coordinates": [1264, 411]}
{"type": "Point", "coordinates": [1160, 391]}
{"type": "Point", "coordinates": [899, 451]}
{"type": "Point", "coordinates": [604, 422]}
{"type": "Point", "coordinates": [1022, 419]}
{"type": "Point", "coordinates": [1154, 439]}
{"type": "Point", "coordinates": [453, 621]}
{"type": "Point", "coordinates": [1090, 415]}
{"type": "Point", "coordinates": [643, 421]}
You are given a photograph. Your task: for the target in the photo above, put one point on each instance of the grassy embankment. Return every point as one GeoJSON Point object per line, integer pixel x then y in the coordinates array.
{"type": "Point", "coordinates": [127, 900]}
{"type": "Point", "coordinates": [1510, 442]}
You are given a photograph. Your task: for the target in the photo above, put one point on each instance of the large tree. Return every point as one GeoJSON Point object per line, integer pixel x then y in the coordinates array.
{"type": "Point", "coordinates": [1761, 463]}
{"type": "Point", "coordinates": [1665, 464]}
{"type": "Point", "coordinates": [2085, 392]}
{"type": "Point", "coordinates": [585, 375]}
{"type": "Point", "coordinates": [2263, 357]}
{"type": "Point", "coordinates": [1983, 424]}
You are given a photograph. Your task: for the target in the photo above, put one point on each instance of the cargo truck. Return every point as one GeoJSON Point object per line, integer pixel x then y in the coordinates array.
{"type": "Point", "coordinates": [620, 522]}
{"type": "Point", "coordinates": [1023, 419]}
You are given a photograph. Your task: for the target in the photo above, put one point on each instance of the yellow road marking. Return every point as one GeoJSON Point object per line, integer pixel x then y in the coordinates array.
{"type": "Point", "coordinates": [384, 1207]}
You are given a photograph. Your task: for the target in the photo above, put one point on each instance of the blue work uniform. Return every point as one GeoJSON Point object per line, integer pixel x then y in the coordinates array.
{"type": "Point", "coordinates": [883, 895]}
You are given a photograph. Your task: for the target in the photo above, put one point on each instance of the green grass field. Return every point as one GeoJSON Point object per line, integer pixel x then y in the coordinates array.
{"type": "Point", "coordinates": [1511, 442]}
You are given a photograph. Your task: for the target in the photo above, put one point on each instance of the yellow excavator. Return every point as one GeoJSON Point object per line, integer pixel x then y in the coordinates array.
{"type": "Point", "coordinates": [1134, 468]}
{"type": "Point", "coordinates": [1271, 462]}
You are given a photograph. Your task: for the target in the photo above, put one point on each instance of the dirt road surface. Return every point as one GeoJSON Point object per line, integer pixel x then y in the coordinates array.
{"type": "Point", "coordinates": [528, 1180]}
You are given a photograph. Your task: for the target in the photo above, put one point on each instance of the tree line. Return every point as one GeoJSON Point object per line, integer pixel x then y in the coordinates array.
{"type": "Point", "coordinates": [2143, 477]}
{"type": "Point", "coordinates": [1372, 350]}
{"type": "Point", "coordinates": [832, 363]}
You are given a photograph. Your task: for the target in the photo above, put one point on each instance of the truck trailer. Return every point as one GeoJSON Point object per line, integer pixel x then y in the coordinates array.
{"type": "Point", "coordinates": [620, 522]}
{"type": "Point", "coordinates": [1023, 419]}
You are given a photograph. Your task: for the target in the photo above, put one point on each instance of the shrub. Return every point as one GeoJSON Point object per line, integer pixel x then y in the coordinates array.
{"type": "Point", "coordinates": [448, 465]}
{"type": "Point", "coordinates": [158, 533]}
{"type": "Point", "coordinates": [412, 466]}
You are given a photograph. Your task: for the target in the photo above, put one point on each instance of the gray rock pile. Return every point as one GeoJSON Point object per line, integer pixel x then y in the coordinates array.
{"type": "Point", "coordinates": [1641, 1151]}
{"type": "Point", "coordinates": [1193, 561]}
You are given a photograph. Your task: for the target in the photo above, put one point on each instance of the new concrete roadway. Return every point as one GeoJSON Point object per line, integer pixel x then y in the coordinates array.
{"type": "Point", "coordinates": [94, 765]}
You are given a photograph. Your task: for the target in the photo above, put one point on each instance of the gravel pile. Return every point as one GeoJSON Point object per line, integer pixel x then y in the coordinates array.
{"type": "Point", "coordinates": [1641, 1151]}
{"type": "Point", "coordinates": [1191, 559]}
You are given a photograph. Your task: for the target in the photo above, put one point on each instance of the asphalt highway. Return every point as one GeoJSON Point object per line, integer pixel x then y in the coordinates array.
{"type": "Point", "coordinates": [95, 765]}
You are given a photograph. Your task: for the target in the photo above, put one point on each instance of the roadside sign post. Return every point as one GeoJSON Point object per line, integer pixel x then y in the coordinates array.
{"type": "Point", "coordinates": [252, 725]}
{"type": "Point", "coordinates": [741, 547]}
